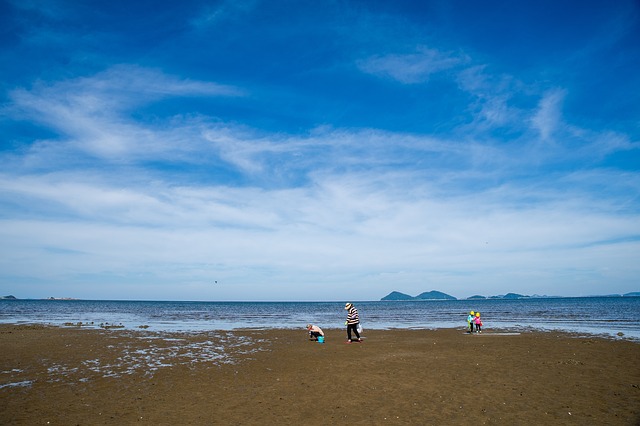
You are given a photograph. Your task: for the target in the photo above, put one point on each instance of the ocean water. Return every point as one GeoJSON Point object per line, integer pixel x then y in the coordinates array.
{"type": "Point", "coordinates": [592, 315]}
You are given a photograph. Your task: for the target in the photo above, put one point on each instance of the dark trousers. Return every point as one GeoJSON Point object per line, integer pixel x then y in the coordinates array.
{"type": "Point", "coordinates": [354, 328]}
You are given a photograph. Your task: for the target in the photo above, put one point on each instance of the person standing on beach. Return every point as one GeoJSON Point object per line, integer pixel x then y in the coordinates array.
{"type": "Point", "coordinates": [478, 322]}
{"type": "Point", "coordinates": [353, 319]}
{"type": "Point", "coordinates": [470, 320]}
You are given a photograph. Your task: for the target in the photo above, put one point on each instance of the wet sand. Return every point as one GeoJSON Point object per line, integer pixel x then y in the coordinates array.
{"type": "Point", "coordinates": [76, 376]}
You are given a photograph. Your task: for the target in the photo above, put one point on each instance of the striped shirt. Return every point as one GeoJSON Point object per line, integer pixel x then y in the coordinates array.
{"type": "Point", "coordinates": [352, 315]}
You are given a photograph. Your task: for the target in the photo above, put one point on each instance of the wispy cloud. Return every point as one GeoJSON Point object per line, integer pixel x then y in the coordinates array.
{"type": "Point", "coordinates": [493, 97]}
{"type": "Point", "coordinates": [92, 117]}
{"type": "Point", "coordinates": [119, 88]}
{"type": "Point", "coordinates": [91, 114]}
{"type": "Point", "coordinates": [221, 11]}
{"type": "Point", "coordinates": [353, 222]}
{"type": "Point", "coordinates": [411, 68]}
{"type": "Point", "coordinates": [548, 117]}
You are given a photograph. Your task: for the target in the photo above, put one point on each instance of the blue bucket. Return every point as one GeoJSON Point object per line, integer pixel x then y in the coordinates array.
{"type": "Point", "coordinates": [320, 339]}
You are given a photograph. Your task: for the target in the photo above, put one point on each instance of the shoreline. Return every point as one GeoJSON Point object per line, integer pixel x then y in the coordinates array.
{"type": "Point", "coordinates": [70, 375]}
{"type": "Point", "coordinates": [578, 332]}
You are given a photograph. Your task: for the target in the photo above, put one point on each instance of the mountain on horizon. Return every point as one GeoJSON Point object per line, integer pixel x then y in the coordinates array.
{"type": "Point", "coordinates": [427, 295]}
{"type": "Point", "coordinates": [435, 295]}
{"type": "Point", "coordinates": [396, 295]}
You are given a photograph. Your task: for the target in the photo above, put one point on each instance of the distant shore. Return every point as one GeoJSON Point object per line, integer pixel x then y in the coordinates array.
{"type": "Point", "coordinates": [86, 376]}
{"type": "Point", "coordinates": [395, 296]}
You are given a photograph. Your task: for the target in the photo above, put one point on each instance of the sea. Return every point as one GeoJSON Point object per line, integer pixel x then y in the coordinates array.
{"type": "Point", "coordinates": [615, 317]}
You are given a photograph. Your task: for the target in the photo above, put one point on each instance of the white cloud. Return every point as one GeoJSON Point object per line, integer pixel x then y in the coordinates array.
{"type": "Point", "coordinates": [90, 113]}
{"type": "Point", "coordinates": [493, 95]}
{"type": "Point", "coordinates": [341, 225]}
{"type": "Point", "coordinates": [548, 118]}
{"type": "Point", "coordinates": [411, 68]}
{"type": "Point", "coordinates": [115, 90]}
{"type": "Point", "coordinates": [356, 206]}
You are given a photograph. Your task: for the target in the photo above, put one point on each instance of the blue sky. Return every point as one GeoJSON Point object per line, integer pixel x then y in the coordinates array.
{"type": "Point", "coordinates": [335, 150]}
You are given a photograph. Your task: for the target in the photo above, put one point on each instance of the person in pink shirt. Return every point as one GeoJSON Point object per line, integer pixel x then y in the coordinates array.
{"type": "Point", "coordinates": [314, 332]}
{"type": "Point", "coordinates": [478, 323]}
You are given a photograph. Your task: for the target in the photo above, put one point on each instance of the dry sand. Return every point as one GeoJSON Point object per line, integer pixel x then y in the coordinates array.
{"type": "Point", "coordinates": [69, 376]}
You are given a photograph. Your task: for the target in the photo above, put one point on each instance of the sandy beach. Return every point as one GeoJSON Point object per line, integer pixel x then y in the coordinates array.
{"type": "Point", "coordinates": [78, 376]}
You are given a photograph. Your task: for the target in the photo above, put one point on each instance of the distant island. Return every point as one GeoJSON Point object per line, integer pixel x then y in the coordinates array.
{"type": "Point", "coordinates": [428, 295]}
{"type": "Point", "coordinates": [438, 295]}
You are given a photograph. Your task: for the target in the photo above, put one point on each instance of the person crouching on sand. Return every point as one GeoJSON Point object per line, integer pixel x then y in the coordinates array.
{"type": "Point", "coordinates": [470, 320]}
{"type": "Point", "coordinates": [314, 332]}
{"type": "Point", "coordinates": [478, 323]}
{"type": "Point", "coordinates": [352, 322]}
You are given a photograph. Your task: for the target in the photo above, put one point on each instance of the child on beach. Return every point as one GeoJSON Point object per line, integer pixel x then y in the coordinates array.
{"type": "Point", "coordinates": [314, 332]}
{"type": "Point", "coordinates": [353, 319]}
{"type": "Point", "coordinates": [470, 320]}
{"type": "Point", "coordinates": [478, 323]}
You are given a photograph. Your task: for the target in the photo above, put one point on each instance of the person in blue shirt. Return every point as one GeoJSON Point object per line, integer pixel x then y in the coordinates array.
{"type": "Point", "coordinates": [470, 320]}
